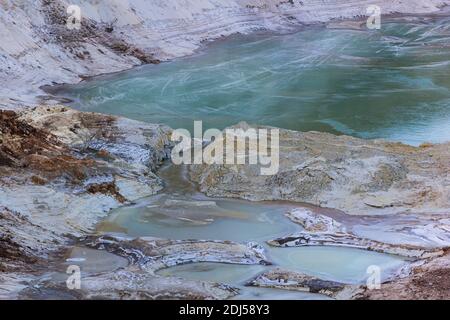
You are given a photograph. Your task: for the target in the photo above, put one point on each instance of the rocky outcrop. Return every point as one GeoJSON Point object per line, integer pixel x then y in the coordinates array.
{"type": "Point", "coordinates": [359, 177]}
{"type": "Point", "coordinates": [116, 34]}
{"type": "Point", "coordinates": [62, 171]}
{"type": "Point", "coordinates": [75, 167]}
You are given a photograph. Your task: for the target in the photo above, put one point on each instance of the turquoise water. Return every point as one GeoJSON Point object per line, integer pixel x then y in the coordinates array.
{"type": "Point", "coordinates": [393, 83]}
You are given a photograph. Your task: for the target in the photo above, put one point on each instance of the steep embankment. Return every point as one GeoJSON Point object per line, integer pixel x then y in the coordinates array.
{"type": "Point", "coordinates": [38, 49]}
